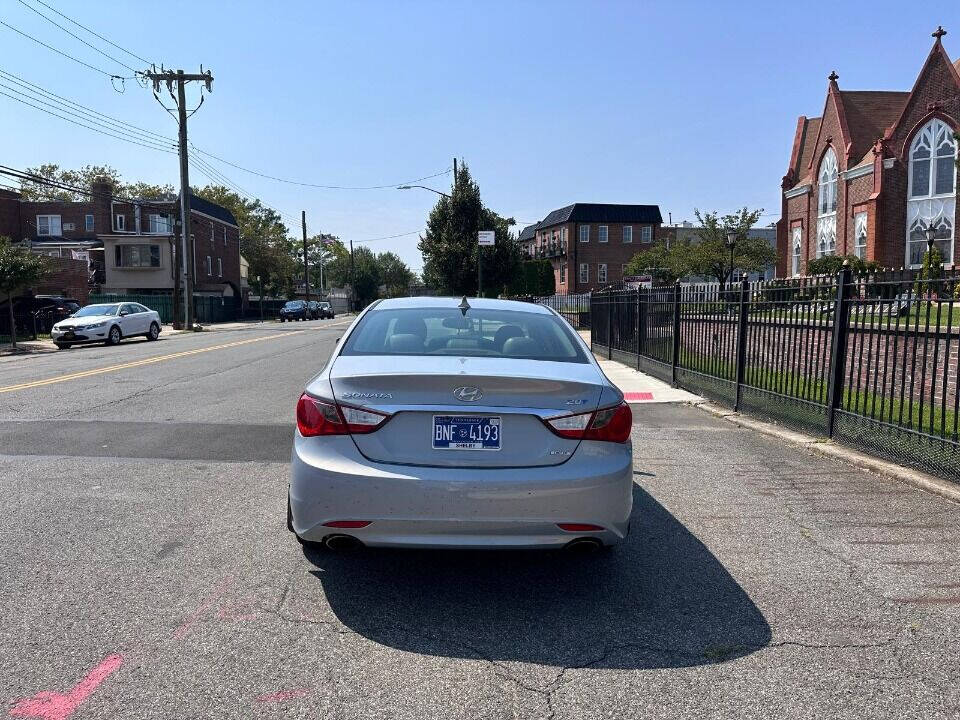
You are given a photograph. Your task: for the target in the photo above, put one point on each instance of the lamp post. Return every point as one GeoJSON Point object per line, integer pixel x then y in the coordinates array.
{"type": "Point", "coordinates": [731, 245]}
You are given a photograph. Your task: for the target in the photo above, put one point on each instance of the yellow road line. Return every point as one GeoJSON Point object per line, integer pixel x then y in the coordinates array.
{"type": "Point", "coordinates": [138, 363]}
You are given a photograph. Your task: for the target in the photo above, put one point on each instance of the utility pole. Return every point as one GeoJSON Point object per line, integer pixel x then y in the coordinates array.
{"type": "Point", "coordinates": [306, 261]}
{"type": "Point", "coordinates": [352, 291]}
{"type": "Point", "coordinates": [180, 78]}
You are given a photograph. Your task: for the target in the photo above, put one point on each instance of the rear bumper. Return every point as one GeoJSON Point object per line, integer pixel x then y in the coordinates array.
{"type": "Point", "coordinates": [456, 507]}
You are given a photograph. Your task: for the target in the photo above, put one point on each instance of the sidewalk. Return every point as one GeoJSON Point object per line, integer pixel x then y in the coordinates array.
{"type": "Point", "coordinates": [638, 388]}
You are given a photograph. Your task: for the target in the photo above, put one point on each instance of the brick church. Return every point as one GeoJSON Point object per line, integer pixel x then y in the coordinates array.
{"type": "Point", "coordinates": [875, 170]}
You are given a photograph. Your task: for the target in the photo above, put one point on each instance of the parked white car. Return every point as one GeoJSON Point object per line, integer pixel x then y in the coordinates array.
{"type": "Point", "coordinates": [107, 323]}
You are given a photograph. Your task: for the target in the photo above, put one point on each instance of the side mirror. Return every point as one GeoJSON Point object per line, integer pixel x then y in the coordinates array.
{"type": "Point", "coordinates": [123, 312]}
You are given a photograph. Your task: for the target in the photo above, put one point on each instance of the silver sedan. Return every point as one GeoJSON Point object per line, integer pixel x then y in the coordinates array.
{"type": "Point", "coordinates": [451, 423]}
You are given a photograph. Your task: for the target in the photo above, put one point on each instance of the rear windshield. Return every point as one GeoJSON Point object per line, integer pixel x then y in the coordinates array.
{"type": "Point", "coordinates": [482, 333]}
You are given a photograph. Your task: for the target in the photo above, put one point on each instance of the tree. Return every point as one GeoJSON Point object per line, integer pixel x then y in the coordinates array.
{"type": "Point", "coordinates": [83, 179]}
{"type": "Point", "coordinates": [449, 246]}
{"type": "Point", "coordinates": [711, 257]}
{"type": "Point", "coordinates": [665, 265]}
{"type": "Point", "coordinates": [832, 264]}
{"type": "Point", "coordinates": [395, 276]}
{"type": "Point", "coordinates": [19, 268]}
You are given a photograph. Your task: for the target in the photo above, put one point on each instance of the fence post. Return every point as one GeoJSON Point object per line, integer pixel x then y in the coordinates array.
{"type": "Point", "coordinates": [609, 324]}
{"type": "Point", "coordinates": [640, 326]}
{"type": "Point", "coordinates": [742, 338]}
{"type": "Point", "coordinates": [838, 351]}
{"type": "Point", "coordinates": [675, 355]}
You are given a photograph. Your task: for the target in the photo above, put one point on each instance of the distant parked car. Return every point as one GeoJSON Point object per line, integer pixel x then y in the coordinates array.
{"type": "Point", "coordinates": [294, 310]}
{"type": "Point", "coordinates": [326, 310]}
{"type": "Point", "coordinates": [40, 312]}
{"type": "Point", "coordinates": [313, 309]}
{"type": "Point", "coordinates": [108, 323]}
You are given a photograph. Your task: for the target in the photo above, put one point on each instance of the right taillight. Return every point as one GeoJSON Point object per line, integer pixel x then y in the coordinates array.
{"type": "Point", "coordinates": [316, 417]}
{"type": "Point", "coordinates": [610, 424]}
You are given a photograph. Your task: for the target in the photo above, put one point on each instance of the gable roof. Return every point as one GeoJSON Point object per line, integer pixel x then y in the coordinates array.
{"type": "Point", "coordinates": [601, 212]}
{"type": "Point", "coordinates": [528, 233]}
{"type": "Point", "coordinates": [807, 141]}
{"type": "Point", "coordinates": [212, 209]}
{"type": "Point", "coordinates": [869, 113]}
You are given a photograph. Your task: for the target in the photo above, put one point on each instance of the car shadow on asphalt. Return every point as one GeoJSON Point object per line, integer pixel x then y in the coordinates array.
{"type": "Point", "coordinates": [661, 599]}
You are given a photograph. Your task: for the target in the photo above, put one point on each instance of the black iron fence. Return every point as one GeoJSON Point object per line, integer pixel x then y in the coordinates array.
{"type": "Point", "coordinates": [871, 361]}
{"type": "Point", "coordinates": [574, 307]}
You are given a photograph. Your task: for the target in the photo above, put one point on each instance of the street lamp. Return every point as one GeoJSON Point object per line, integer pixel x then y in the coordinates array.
{"type": "Point", "coordinates": [422, 187]}
{"type": "Point", "coordinates": [731, 244]}
{"type": "Point", "coordinates": [931, 234]}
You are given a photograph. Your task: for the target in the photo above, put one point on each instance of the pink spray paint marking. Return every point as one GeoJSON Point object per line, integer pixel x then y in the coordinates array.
{"type": "Point", "coordinates": [207, 603]}
{"type": "Point", "coordinates": [637, 396]}
{"type": "Point", "coordinates": [58, 706]}
{"type": "Point", "coordinates": [283, 695]}
{"type": "Point", "coordinates": [242, 610]}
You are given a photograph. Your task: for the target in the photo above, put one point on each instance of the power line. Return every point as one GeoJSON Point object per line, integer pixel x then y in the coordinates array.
{"type": "Point", "coordinates": [95, 34]}
{"type": "Point", "coordinates": [317, 185]}
{"type": "Point", "coordinates": [77, 37]}
{"type": "Point", "coordinates": [389, 237]}
{"type": "Point", "coordinates": [24, 176]}
{"type": "Point", "coordinates": [61, 52]}
{"type": "Point", "coordinates": [43, 97]}
{"type": "Point", "coordinates": [83, 125]}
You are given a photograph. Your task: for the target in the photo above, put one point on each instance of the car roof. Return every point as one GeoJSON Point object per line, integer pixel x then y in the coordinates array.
{"type": "Point", "coordinates": [454, 302]}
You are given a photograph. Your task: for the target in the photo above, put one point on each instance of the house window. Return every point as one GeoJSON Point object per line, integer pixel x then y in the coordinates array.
{"type": "Point", "coordinates": [584, 233]}
{"type": "Point", "coordinates": [49, 225]}
{"type": "Point", "coordinates": [212, 232]}
{"type": "Point", "coordinates": [563, 235]}
{"type": "Point", "coordinates": [601, 233]}
{"type": "Point", "coordinates": [224, 236]}
{"type": "Point", "coordinates": [209, 266]}
{"type": "Point", "coordinates": [160, 224]}
{"type": "Point", "coordinates": [120, 223]}
{"type": "Point", "coordinates": [646, 234]}
{"type": "Point", "coordinates": [584, 273]}
{"type": "Point", "coordinates": [601, 272]}
{"type": "Point", "coordinates": [932, 201]}
{"type": "Point", "coordinates": [860, 235]}
{"type": "Point", "coordinates": [827, 205]}
{"type": "Point", "coordinates": [563, 273]}
{"type": "Point", "coordinates": [137, 256]}
{"type": "Point", "coordinates": [628, 233]}
{"type": "Point", "coordinates": [796, 242]}
{"type": "Point", "coordinates": [88, 223]}
{"type": "Point", "coordinates": [219, 267]}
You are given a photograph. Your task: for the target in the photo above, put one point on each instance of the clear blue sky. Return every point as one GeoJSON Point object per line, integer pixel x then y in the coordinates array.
{"type": "Point", "coordinates": [682, 104]}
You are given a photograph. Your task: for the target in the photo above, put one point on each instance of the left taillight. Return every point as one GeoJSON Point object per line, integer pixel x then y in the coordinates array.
{"type": "Point", "coordinates": [316, 417]}
{"type": "Point", "coordinates": [610, 424]}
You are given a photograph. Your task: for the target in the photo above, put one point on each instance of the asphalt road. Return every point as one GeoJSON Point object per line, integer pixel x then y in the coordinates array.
{"type": "Point", "coordinates": [147, 571]}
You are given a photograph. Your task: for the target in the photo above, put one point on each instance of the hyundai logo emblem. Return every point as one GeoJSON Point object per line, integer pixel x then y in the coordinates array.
{"type": "Point", "coordinates": [467, 394]}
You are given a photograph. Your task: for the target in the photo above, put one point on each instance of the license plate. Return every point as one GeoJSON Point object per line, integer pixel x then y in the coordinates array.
{"type": "Point", "coordinates": [69, 334]}
{"type": "Point", "coordinates": [466, 432]}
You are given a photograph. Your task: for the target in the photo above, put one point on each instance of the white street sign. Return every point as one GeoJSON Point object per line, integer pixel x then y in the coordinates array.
{"type": "Point", "coordinates": [486, 237]}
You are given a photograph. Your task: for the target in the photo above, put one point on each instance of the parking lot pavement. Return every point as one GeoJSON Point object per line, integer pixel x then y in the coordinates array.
{"type": "Point", "coordinates": [155, 578]}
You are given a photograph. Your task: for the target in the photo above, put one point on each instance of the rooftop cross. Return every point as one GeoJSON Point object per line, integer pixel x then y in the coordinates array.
{"type": "Point", "coordinates": [833, 77]}
{"type": "Point", "coordinates": [939, 32]}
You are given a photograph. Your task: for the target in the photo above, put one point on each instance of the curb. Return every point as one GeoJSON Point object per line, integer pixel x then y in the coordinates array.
{"type": "Point", "coordinates": [828, 448]}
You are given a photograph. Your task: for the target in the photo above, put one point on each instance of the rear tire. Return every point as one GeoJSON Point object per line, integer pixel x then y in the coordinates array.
{"type": "Point", "coordinates": [62, 346]}
{"type": "Point", "coordinates": [114, 336]}
{"type": "Point", "coordinates": [154, 332]}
